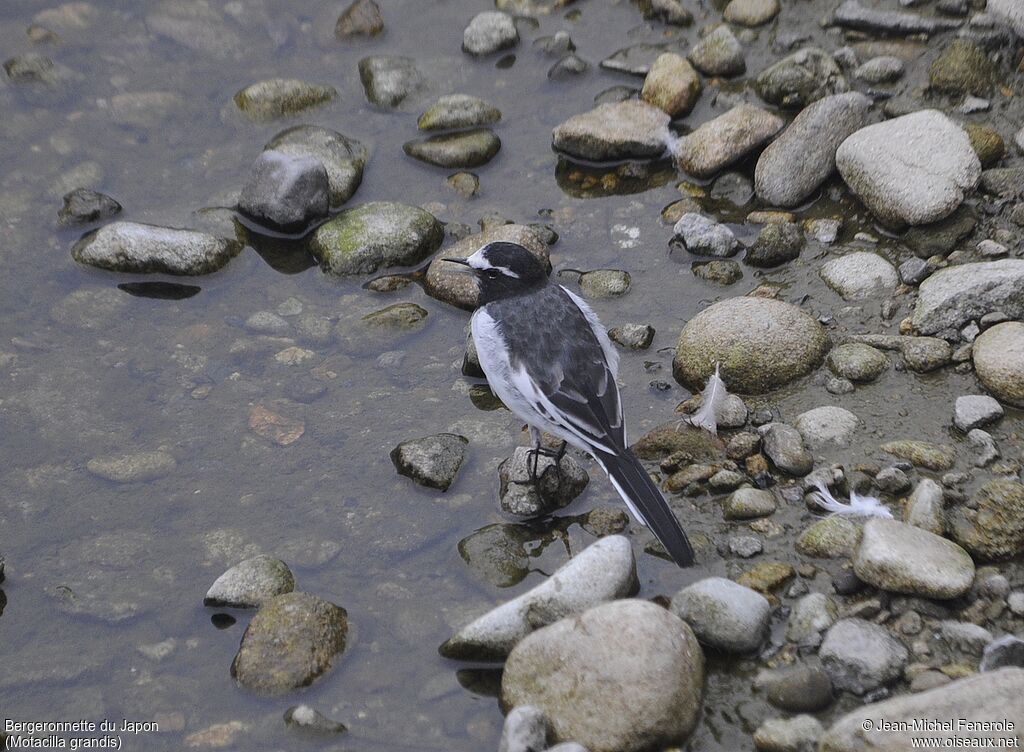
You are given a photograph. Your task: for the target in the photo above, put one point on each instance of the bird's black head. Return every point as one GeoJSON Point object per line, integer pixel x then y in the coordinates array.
{"type": "Point", "coordinates": [503, 270]}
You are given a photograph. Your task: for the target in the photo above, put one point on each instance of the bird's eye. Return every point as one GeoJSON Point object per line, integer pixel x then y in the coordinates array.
{"type": "Point", "coordinates": [492, 273]}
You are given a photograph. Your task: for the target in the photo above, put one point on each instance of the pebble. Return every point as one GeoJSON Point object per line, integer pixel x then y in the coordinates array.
{"type": "Point", "coordinates": [745, 546]}
{"type": "Point", "coordinates": [147, 249]}
{"type": "Point", "coordinates": [880, 70]}
{"type": "Point", "coordinates": [603, 571]}
{"type": "Point", "coordinates": [751, 12]}
{"type": "Point", "coordinates": [377, 235]}
{"type": "Point", "coordinates": [658, 667]}
{"type": "Point", "coordinates": [1000, 653]}
{"type": "Point", "coordinates": [250, 583]}
{"type": "Point", "coordinates": [307, 718]}
{"type": "Point", "coordinates": [458, 111]}
{"type": "Point", "coordinates": [965, 637]}
{"type": "Point", "coordinates": [958, 294]}
{"type": "Point", "coordinates": [390, 80]}
{"type": "Point", "coordinates": [554, 488]}
{"type": "Point", "coordinates": [605, 283]}
{"type": "Point", "coordinates": [760, 344]}
{"type": "Point", "coordinates": [361, 18]}
{"type": "Point", "coordinates": [926, 508]}
{"type": "Point", "coordinates": [798, 80]}
{"type": "Point", "coordinates": [860, 275]}
{"type": "Point", "coordinates": [924, 454]}
{"type": "Point", "coordinates": [489, 32]}
{"type": "Point", "coordinates": [799, 687]}
{"type": "Point", "coordinates": [705, 236]}
{"type": "Point", "coordinates": [749, 503]}
{"type": "Point", "coordinates": [827, 427]}
{"type": "Point", "coordinates": [342, 157]}
{"type": "Point", "coordinates": [810, 617]}
{"type": "Point", "coordinates": [797, 734]}
{"type": "Point", "coordinates": [784, 446]}
{"type": "Point", "coordinates": [860, 656]}
{"type": "Point", "coordinates": [635, 60]}
{"type": "Point", "coordinates": [999, 361]}
{"type": "Point", "coordinates": [718, 53]}
{"type": "Point", "coordinates": [497, 554]}
{"type": "Point", "coordinates": [621, 130]}
{"type": "Point", "coordinates": [725, 139]}
{"type": "Point", "coordinates": [983, 447]}
{"type": "Point", "coordinates": [719, 272]}
{"type": "Point", "coordinates": [286, 192]}
{"type": "Point", "coordinates": [472, 148]}
{"type": "Point", "coordinates": [525, 730]}
{"type": "Point", "coordinates": [911, 170]}
{"type": "Point", "coordinates": [671, 12]}
{"type": "Point", "coordinates": [84, 206]}
{"type": "Point", "coordinates": [292, 639]}
{"type": "Point", "coordinates": [991, 526]}
{"type": "Point", "coordinates": [1015, 601]}
{"type": "Point", "coordinates": [723, 614]}
{"type": "Point", "coordinates": [924, 354]}
{"type": "Point", "coordinates": [914, 270]}
{"type": "Point", "coordinates": [568, 67]}
{"type": "Point", "coordinates": [776, 244]}
{"type": "Point", "coordinates": [857, 362]}
{"type": "Point", "coordinates": [672, 85]}
{"type": "Point", "coordinates": [278, 97]}
{"type": "Point", "coordinates": [432, 461]}
{"type": "Point", "coordinates": [133, 467]}
{"type": "Point", "coordinates": [802, 158]}
{"type": "Point", "coordinates": [961, 68]}
{"type": "Point", "coordinates": [632, 336]}
{"type": "Point", "coordinates": [901, 558]}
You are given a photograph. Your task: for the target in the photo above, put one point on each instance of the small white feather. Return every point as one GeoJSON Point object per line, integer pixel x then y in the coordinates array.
{"type": "Point", "coordinates": [714, 395]}
{"type": "Point", "coordinates": [859, 506]}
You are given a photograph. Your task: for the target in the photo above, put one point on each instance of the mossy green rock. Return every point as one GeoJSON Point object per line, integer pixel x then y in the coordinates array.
{"type": "Point", "coordinates": [396, 317]}
{"type": "Point", "coordinates": [830, 538]}
{"type": "Point", "coordinates": [497, 554]}
{"type": "Point", "coordinates": [373, 236]}
{"type": "Point", "coordinates": [278, 97]}
{"type": "Point", "coordinates": [962, 68]}
{"type": "Point", "coordinates": [760, 345]}
{"type": "Point", "coordinates": [464, 149]}
{"type": "Point", "coordinates": [993, 525]}
{"type": "Point", "coordinates": [986, 142]}
{"type": "Point", "coordinates": [290, 641]}
{"type": "Point", "coordinates": [922, 453]}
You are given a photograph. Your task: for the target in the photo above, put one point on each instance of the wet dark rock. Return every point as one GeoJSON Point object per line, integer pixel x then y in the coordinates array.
{"type": "Point", "coordinates": [555, 486]}
{"type": "Point", "coordinates": [776, 244]}
{"type": "Point", "coordinates": [939, 238]}
{"type": "Point", "coordinates": [568, 67]}
{"type": "Point", "coordinates": [798, 688]}
{"type": "Point", "coordinates": [142, 249]}
{"type": "Point", "coordinates": [466, 184]}
{"type": "Point", "coordinates": [718, 53]}
{"type": "Point", "coordinates": [432, 461]}
{"type": "Point", "coordinates": [860, 275]}
{"type": "Point", "coordinates": [1004, 182]}
{"type": "Point", "coordinates": [286, 192]}
{"type": "Point", "coordinates": [1005, 651]}
{"type": "Point", "coordinates": [914, 271]}
{"type": "Point", "coordinates": [307, 719]}
{"type": "Point", "coordinates": [962, 68]}
{"type": "Point", "coordinates": [609, 132]}
{"type": "Point", "coordinates": [342, 157]}
{"type": "Point", "coordinates": [860, 656]}
{"type": "Point", "coordinates": [489, 32]}
{"type": "Point", "coordinates": [725, 139]}
{"type": "Point", "coordinates": [83, 206]}
{"type": "Point", "coordinates": [760, 344]}
{"type": "Point", "coordinates": [999, 361]}
{"type": "Point", "coordinates": [719, 272]}
{"type": "Point", "coordinates": [390, 81]}
{"type": "Point", "coordinates": [361, 18]}
{"type": "Point", "coordinates": [784, 446]}
{"type": "Point", "coordinates": [911, 170]}
{"type": "Point", "coordinates": [801, 159]}
{"type": "Point", "coordinates": [958, 294]}
{"type": "Point", "coordinates": [658, 665]}
{"type": "Point", "coordinates": [605, 283]}
{"type": "Point", "coordinates": [33, 68]}
{"type": "Point", "coordinates": [724, 614]}
{"type": "Point", "coordinates": [632, 336]}
{"type": "Point", "coordinates": [397, 317]}
{"type": "Point", "coordinates": [992, 526]}
{"type": "Point", "coordinates": [497, 554]}
{"type": "Point", "coordinates": [804, 77]}
{"type": "Point", "coordinates": [852, 15]}
{"type": "Point", "coordinates": [458, 111]}
{"type": "Point", "coordinates": [671, 85]}
{"type": "Point", "coordinates": [292, 639]}
{"type": "Point", "coordinates": [443, 280]}
{"type": "Point", "coordinates": [603, 571]}
{"type": "Point", "coordinates": [278, 97]}
{"type": "Point", "coordinates": [250, 583]}
{"type": "Point", "coordinates": [636, 59]}
{"type": "Point", "coordinates": [472, 148]}
{"type": "Point", "coordinates": [672, 12]}
{"type": "Point", "coordinates": [376, 235]}
{"type": "Point", "coordinates": [558, 44]}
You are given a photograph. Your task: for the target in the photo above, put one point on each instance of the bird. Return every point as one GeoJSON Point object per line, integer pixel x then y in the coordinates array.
{"type": "Point", "coordinates": [550, 361]}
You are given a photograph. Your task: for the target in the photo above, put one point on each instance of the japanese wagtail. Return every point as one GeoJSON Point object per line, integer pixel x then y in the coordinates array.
{"type": "Point", "coordinates": [547, 357]}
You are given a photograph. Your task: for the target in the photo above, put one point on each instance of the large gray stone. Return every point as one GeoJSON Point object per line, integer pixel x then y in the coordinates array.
{"type": "Point", "coordinates": [860, 275]}
{"type": "Point", "coordinates": [860, 656]}
{"type": "Point", "coordinates": [718, 53]}
{"type": "Point", "coordinates": [613, 131]}
{"type": "Point", "coordinates": [953, 296]}
{"type": "Point", "coordinates": [725, 139]}
{"type": "Point", "coordinates": [852, 15]}
{"type": "Point", "coordinates": [489, 32]}
{"type": "Point", "coordinates": [902, 558]}
{"type": "Point", "coordinates": [286, 192]}
{"type": "Point", "coordinates": [342, 157]}
{"type": "Point", "coordinates": [250, 583]}
{"type": "Point", "coordinates": [724, 614]}
{"type": "Point", "coordinates": [910, 170]}
{"type": "Point", "coordinates": [975, 411]}
{"type": "Point", "coordinates": [391, 81]}
{"type": "Point", "coordinates": [992, 526]}
{"type": "Point", "coordinates": [759, 344]}
{"type": "Point", "coordinates": [992, 698]}
{"type": "Point", "coordinates": [654, 698]}
{"type": "Point", "coordinates": [801, 78]}
{"type": "Point", "coordinates": [432, 461]}
{"type": "Point", "coordinates": [603, 571]}
{"type": "Point", "coordinates": [278, 97]}
{"type": "Point", "coordinates": [145, 249]}
{"type": "Point", "coordinates": [802, 158]}
{"type": "Point", "coordinates": [827, 427]}
{"type": "Point", "coordinates": [999, 361]}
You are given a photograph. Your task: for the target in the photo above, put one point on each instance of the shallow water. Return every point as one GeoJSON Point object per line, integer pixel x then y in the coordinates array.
{"type": "Point", "coordinates": [164, 368]}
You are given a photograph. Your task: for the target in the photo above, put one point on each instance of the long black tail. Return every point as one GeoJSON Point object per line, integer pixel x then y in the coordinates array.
{"type": "Point", "coordinates": [646, 502]}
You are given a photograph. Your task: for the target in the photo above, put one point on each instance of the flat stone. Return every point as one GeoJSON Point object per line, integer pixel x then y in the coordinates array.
{"type": "Point", "coordinates": [635, 60]}
{"type": "Point", "coordinates": [860, 656]}
{"type": "Point", "coordinates": [133, 467]}
{"type": "Point", "coordinates": [924, 354]}
{"type": "Point", "coordinates": [857, 362]}
{"type": "Point", "coordinates": [278, 97]}
{"type": "Point", "coordinates": [883, 69]}
{"type": "Point", "coordinates": [827, 427]}
{"type": "Point", "coordinates": [801, 78]}
{"type": "Point", "coordinates": [725, 139]}
{"type": "Point", "coordinates": [860, 275]}
{"type": "Point", "coordinates": [672, 85]}
{"type": "Point", "coordinates": [723, 614]}
{"type": "Point", "coordinates": [798, 688]}
{"type": "Point", "coordinates": [749, 503]}
{"type": "Point", "coordinates": [250, 583]}
{"type": "Point", "coordinates": [965, 637]}
{"type": "Point", "coordinates": [653, 655]}
{"type": "Point", "coordinates": [83, 206]}
{"type": "Point", "coordinates": [954, 296]}
{"type": "Point", "coordinates": [621, 130]}
{"type": "Point", "coordinates": [603, 571]}
{"type": "Point", "coordinates": [922, 453]}
{"type": "Point", "coordinates": [458, 111]}
{"type": "Point", "coordinates": [472, 148]}
{"type": "Point", "coordinates": [975, 411]}
{"type": "Point", "coordinates": [802, 158]}
{"type": "Point", "coordinates": [999, 361]}
{"type": "Point", "coordinates": [147, 249]}
{"type": "Point", "coordinates": [852, 15]}
{"type": "Point", "coordinates": [910, 170]}
{"type": "Point", "coordinates": [432, 461]}
{"type": "Point", "coordinates": [830, 538]}
{"type": "Point", "coordinates": [788, 734]}
{"type": "Point", "coordinates": [759, 344]}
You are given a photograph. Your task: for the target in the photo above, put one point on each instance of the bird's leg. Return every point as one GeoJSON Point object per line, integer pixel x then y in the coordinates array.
{"type": "Point", "coordinates": [559, 454]}
{"type": "Point", "coordinates": [533, 455]}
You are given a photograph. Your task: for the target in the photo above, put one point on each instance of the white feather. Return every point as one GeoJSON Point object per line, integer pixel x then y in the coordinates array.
{"type": "Point", "coordinates": [859, 506]}
{"type": "Point", "coordinates": [714, 395]}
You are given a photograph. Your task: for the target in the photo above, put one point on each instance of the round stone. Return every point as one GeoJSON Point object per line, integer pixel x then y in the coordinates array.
{"type": "Point", "coordinates": [857, 362]}
{"type": "Point", "coordinates": [860, 275]}
{"type": "Point", "coordinates": [826, 426]}
{"type": "Point", "coordinates": [999, 361]}
{"type": "Point", "coordinates": [760, 345]}
{"type": "Point", "coordinates": [724, 614]}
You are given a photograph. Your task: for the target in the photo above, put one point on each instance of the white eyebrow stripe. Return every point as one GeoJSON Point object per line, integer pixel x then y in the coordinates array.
{"type": "Point", "coordinates": [478, 261]}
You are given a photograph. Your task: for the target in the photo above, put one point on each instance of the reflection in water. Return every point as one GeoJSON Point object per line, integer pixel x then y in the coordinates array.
{"type": "Point", "coordinates": [597, 181]}
{"type": "Point", "coordinates": [480, 681]}
{"type": "Point", "coordinates": [285, 254]}
{"type": "Point", "coordinates": [160, 290]}
{"type": "Point", "coordinates": [223, 621]}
